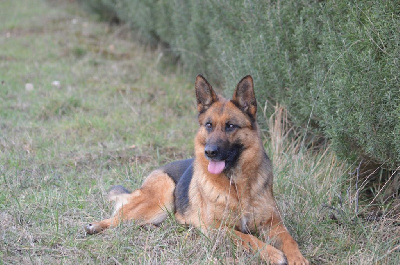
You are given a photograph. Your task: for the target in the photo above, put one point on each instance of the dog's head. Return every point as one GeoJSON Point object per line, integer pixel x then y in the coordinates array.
{"type": "Point", "coordinates": [227, 127]}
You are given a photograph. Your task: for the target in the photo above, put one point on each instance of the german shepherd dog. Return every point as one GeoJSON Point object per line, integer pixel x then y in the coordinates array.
{"type": "Point", "coordinates": [227, 185]}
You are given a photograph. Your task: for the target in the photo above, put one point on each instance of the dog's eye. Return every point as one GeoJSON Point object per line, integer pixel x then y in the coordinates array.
{"type": "Point", "coordinates": [231, 127]}
{"type": "Point", "coordinates": [208, 125]}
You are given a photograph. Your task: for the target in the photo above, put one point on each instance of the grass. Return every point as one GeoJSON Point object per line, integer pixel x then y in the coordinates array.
{"type": "Point", "coordinates": [116, 113]}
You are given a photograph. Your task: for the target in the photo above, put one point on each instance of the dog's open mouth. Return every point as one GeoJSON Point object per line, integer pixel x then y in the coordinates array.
{"type": "Point", "coordinates": [216, 167]}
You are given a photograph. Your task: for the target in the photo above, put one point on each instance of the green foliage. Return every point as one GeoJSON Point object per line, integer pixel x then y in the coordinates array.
{"type": "Point", "coordinates": [104, 8]}
{"type": "Point", "coordinates": [333, 64]}
{"type": "Point", "coordinates": [360, 101]}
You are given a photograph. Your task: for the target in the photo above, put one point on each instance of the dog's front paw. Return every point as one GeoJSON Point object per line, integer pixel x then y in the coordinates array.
{"type": "Point", "coordinates": [273, 255]}
{"type": "Point", "coordinates": [296, 259]}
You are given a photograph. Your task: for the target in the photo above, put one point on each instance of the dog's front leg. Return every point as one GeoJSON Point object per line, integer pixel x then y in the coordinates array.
{"type": "Point", "coordinates": [267, 252]}
{"type": "Point", "coordinates": [278, 232]}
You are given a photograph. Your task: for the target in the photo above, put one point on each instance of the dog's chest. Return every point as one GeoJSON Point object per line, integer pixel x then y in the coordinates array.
{"type": "Point", "coordinates": [233, 211]}
{"type": "Point", "coordinates": [230, 203]}
{"type": "Point", "coordinates": [220, 199]}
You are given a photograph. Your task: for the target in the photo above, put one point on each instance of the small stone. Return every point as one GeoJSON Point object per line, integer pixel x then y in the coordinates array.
{"type": "Point", "coordinates": [28, 86]}
{"type": "Point", "coordinates": [56, 83]}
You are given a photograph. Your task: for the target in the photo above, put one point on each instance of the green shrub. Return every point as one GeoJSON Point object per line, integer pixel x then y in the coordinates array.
{"type": "Point", "coordinates": [104, 8]}
{"type": "Point", "coordinates": [333, 64]}
{"type": "Point", "coordinates": [141, 15]}
{"type": "Point", "coordinates": [360, 101]}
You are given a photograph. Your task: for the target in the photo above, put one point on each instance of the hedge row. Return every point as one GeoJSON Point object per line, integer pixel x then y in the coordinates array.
{"type": "Point", "coordinates": [333, 64]}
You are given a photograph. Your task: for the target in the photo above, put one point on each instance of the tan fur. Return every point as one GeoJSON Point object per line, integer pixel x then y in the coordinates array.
{"type": "Point", "coordinates": [148, 205]}
{"type": "Point", "coordinates": [242, 201]}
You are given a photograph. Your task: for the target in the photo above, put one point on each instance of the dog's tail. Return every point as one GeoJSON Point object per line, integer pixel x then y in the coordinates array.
{"type": "Point", "coordinates": [117, 191]}
{"type": "Point", "coordinates": [120, 195]}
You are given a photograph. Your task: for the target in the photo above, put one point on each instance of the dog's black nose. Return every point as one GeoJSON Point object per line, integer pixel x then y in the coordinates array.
{"type": "Point", "coordinates": [211, 151]}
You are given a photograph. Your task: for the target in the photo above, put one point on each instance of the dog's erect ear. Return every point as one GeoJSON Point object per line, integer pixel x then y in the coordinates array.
{"type": "Point", "coordinates": [244, 97]}
{"type": "Point", "coordinates": [205, 94]}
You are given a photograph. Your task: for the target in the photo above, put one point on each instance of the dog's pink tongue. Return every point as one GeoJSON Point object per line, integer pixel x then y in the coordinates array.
{"type": "Point", "coordinates": [216, 167]}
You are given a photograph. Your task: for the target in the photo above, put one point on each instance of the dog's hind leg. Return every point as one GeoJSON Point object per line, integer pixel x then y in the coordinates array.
{"type": "Point", "coordinates": [148, 205]}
